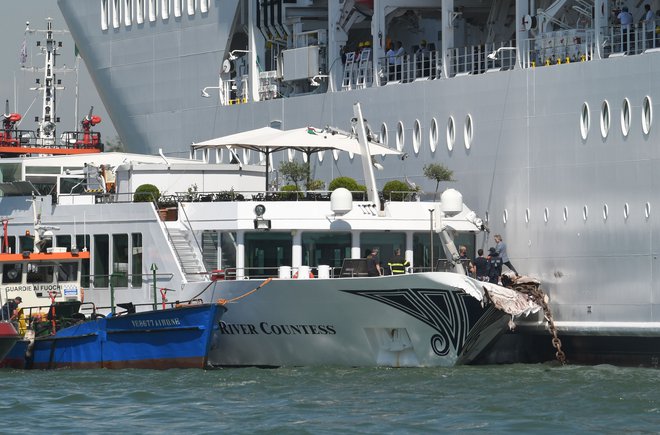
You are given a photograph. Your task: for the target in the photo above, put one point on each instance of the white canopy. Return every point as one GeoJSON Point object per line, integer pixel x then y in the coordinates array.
{"type": "Point", "coordinates": [307, 140]}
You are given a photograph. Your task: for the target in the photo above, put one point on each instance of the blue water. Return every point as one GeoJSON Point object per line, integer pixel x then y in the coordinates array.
{"type": "Point", "coordinates": [329, 400]}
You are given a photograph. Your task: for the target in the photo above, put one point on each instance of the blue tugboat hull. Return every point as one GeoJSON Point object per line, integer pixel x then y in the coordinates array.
{"type": "Point", "coordinates": [164, 339]}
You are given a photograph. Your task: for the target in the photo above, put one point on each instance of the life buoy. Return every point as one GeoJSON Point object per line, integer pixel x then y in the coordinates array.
{"type": "Point", "coordinates": [311, 275]}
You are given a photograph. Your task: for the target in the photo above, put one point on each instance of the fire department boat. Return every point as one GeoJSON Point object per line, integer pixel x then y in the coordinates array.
{"type": "Point", "coordinates": [57, 334]}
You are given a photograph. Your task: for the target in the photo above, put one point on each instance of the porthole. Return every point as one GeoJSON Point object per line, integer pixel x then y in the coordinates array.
{"type": "Point", "coordinates": [468, 132]}
{"type": "Point", "coordinates": [384, 139]}
{"type": "Point", "coordinates": [546, 214]}
{"type": "Point", "coordinates": [626, 210]}
{"type": "Point", "coordinates": [585, 121]}
{"type": "Point", "coordinates": [647, 115]}
{"type": "Point", "coordinates": [417, 136]}
{"type": "Point", "coordinates": [625, 117]}
{"type": "Point", "coordinates": [605, 119]}
{"type": "Point", "coordinates": [606, 212]}
{"type": "Point", "coordinates": [527, 215]}
{"type": "Point", "coordinates": [433, 135]}
{"type": "Point", "coordinates": [585, 213]}
{"type": "Point", "coordinates": [505, 216]}
{"type": "Point", "coordinates": [647, 210]}
{"type": "Point", "coordinates": [400, 137]}
{"type": "Point", "coordinates": [565, 214]}
{"type": "Point", "coordinates": [451, 133]}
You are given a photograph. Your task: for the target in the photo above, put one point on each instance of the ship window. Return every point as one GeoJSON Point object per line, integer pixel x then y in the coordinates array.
{"type": "Point", "coordinates": [328, 248]}
{"type": "Point", "coordinates": [433, 135]}
{"type": "Point", "coordinates": [400, 136]}
{"type": "Point", "coordinates": [546, 214]}
{"type": "Point", "coordinates": [104, 14]}
{"type": "Point", "coordinates": [12, 273]}
{"type": "Point", "coordinates": [40, 273]}
{"type": "Point", "coordinates": [265, 252]}
{"type": "Point", "coordinates": [625, 117]}
{"type": "Point", "coordinates": [136, 260]}
{"type": "Point", "coordinates": [153, 10]}
{"type": "Point", "coordinates": [25, 243]}
{"type": "Point", "coordinates": [11, 245]}
{"type": "Point", "coordinates": [647, 114]}
{"type": "Point", "coordinates": [101, 255]}
{"type": "Point", "coordinates": [422, 251]}
{"type": "Point", "coordinates": [120, 260]}
{"type": "Point", "coordinates": [605, 119]}
{"type": "Point", "coordinates": [67, 272]}
{"type": "Point", "coordinates": [203, 6]}
{"type": "Point", "coordinates": [115, 14]}
{"type": "Point", "coordinates": [585, 121]}
{"type": "Point", "coordinates": [191, 7]}
{"type": "Point", "coordinates": [63, 241]}
{"type": "Point", "coordinates": [585, 212]}
{"type": "Point", "coordinates": [128, 12]}
{"type": "Point", "coordinates": [417, 136]}
{"type": "Point", "coordinates": [165, 9]}
{"type": "Point", "coordinates": [384, 138]}
{"type": "Point", "coordinates": [468, 132]}
{"type": "Point", "coordinates": [82, 243]}
{"type": "Point", "coordinates": [647, 210]}
{"type": "Point", "coordinates": [451, 133]}
{"type": "Point", "coordinates": [139, 11]}
{"type": "Point", "coordinates": [505, 216]}
{"type": "Point", "coordinates": [385, 242]}
{"type": "Point", "coordinates": [177, 8]}
{"type": "Point", "coordinates": [626, 210]}
{"type": "Point", "coordinates": [565, 214]}
{"type": "Point", "coordinates": [606, 212]}
{"type": "Point", "coordinates": [527, 215]}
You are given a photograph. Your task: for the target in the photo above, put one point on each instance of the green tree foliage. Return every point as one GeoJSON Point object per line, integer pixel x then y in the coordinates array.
{"type": "Point", "coordinates": [439, 173]}
{"type": "Point", "coordinates": [347, 183]}
{"type": "Point", "coordinates": [146, 193]}
{"type": "Point", "coordinates": [295, 172]}
{"type": "Point", "coordinates": [395, 190]}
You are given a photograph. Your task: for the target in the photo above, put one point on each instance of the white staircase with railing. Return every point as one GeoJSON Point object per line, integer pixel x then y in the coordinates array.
{"type": "Point", "coordinates": [189, 257]}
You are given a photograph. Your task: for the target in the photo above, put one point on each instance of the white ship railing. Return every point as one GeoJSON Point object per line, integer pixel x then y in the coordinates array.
{"type": "Point", "coordinates": [547, 49]}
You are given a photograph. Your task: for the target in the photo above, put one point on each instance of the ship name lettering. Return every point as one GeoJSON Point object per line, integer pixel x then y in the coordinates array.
{"type": "Point", "coordinates": [147, 323]}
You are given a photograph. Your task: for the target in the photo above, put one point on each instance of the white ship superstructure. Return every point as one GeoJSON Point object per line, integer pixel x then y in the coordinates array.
{"type": "Point", "coordinates": [543, 109]}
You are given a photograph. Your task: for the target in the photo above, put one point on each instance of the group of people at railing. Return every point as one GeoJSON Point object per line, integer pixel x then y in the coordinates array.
{"type": "Point", "coordinates": [633, 39]}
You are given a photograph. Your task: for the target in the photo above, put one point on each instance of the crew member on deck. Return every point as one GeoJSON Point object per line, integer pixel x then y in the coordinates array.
{"type": "Point", "coordinates": [373, 267]}
{"type": "Point", "coordinates": [9, 310]}
{"type": "Point", "coordinates": [397, 263]}
{"type": "Point", "coordinates": [500, 247]}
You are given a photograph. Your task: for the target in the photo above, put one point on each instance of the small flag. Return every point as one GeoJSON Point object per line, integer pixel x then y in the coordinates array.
{"type": "Point", "coordinates": [22, 55]}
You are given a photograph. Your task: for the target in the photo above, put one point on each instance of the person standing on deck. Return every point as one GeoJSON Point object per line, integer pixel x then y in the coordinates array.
{"type": "Point", "coordinates": [373, 267]}
{"type": "Point", "coordinates": [500, 248]}
{"type": "Point", "coordinates": [398, 264]}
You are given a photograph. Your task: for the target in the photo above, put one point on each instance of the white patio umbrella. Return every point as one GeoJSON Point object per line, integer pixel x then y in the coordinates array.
{"type": "Point", "coordinates": [308, 140]}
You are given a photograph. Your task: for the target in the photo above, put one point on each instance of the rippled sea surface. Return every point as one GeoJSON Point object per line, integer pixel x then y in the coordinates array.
{"type": "Point", "coordinates": [490, 399]}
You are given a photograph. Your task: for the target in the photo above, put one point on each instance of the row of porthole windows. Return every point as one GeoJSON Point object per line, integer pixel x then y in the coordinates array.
{"type": "Point", "coordinates": [585, 213]}
{"type": "Point", "coordinates": [626, 117]}
{"type": "Point", "coordinates": [114, 12]}
{"type": "Point", "coordinates": [434, 134]}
